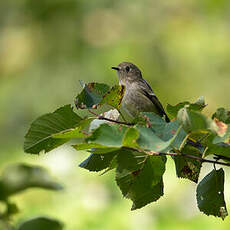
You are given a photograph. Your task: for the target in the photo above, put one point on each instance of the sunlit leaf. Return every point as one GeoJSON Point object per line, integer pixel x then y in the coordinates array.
{"type": "Point", "coordinates": [114, 96]}
{"type": "Point", "coordinates": [70, 133]}
{"type": "Point", "coordinates": [210, 194]}
{"type": "Point", "coordinates": [76, 132]}
{"type": "Point", "coordinates": [94, 94]}
{"type": "Point", "coordinates": [106, 138]}
{"type": "Point", "coordinates": [130, 137]}
{"type": "Point", "coordinates": [108, 135]}
{"type": "Point", "coordinates": [85, 146]}
{"type": "Point", "coordinates": [95, 148]}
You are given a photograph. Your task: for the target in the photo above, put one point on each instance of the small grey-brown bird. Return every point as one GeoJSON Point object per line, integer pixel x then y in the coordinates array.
{"type": "Point", "coordinates": [139, 96]}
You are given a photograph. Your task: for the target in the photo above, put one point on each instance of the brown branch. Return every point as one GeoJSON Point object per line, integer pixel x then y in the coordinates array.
{"type": "Point", "coordinates": [202, 160]}
{"type": "Point", "coordinates": [100, 117]}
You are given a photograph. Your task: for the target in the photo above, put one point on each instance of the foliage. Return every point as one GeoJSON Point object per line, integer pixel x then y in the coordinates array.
{"type": "Point", "coordinates": [42, 131]}
{"type": "Point", "coordinates": [138, 150]}
{"type": "Point", "coordinates": [41, 223]}
{"type": "Point", "coordinates": [210, 194]}
{"type": "Point", "coordinates": [16, 179]}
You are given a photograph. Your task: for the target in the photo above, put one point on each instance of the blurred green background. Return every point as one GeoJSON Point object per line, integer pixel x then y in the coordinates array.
{"type": "Point", "coordinates": [47, 46]}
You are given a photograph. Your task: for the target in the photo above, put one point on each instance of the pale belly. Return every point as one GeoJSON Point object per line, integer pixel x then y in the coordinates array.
{"type": "Point", "coordinates": [134, 102]}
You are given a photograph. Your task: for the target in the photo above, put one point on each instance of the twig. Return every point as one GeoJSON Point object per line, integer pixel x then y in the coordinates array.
{"type": "Point", "coordinates": [202, 160]}
{"type": "Point", "coordinates": [100, 117]}
{"type": "Point", "coordinates": [183, 142]}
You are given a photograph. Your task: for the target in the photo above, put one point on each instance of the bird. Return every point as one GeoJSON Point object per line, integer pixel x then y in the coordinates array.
{"type": "Point", "coordinates": [139, 96]}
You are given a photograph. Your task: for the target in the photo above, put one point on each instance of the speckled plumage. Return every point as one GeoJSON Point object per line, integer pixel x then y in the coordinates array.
{"type": "Point", "coordinates": [139, 96]}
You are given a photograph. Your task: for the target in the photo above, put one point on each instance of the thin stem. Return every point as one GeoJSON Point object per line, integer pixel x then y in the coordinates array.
{"type": "Point", "coordinates": [121, 115]}
{"type": "Point", "coordinates": [183, 142]}
{"type": "Point", "coordinates": [100, 117]}
{"type": "Point", "coordinates": [202, 160]}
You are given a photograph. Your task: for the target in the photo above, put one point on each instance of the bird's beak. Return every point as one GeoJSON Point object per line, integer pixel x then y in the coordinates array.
{"type": "Point", "coordinates": [116, 68]}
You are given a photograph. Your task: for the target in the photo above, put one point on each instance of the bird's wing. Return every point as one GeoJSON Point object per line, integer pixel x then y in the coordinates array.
{"type": "Point", "coordinates": [150, 94]}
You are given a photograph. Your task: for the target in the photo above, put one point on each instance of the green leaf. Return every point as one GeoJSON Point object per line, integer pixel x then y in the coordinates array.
{"type": "Point", "coordinates": [40, 135]}
{"type": "Point", "coordinates": [199, 105]}
{"type": "Point", "coordinates": [149, 193]}
{"type": "Point", "coordinates": [112, 165]}
{"type": "Point", "coordinates": [110, 135]}
{"type": "Point", "coordinates": [114, 96]}
{"type": "Point", "coordinates": [222, 115]}
{"type": "Point", "coordinates": [221, 149]}
{"type": "Point", "coordinates": [173, 110]}
{"type": "Point", "coordinates": [106, 138]}
{"type": "Point", "coordinates": [85, 146]}
{"type": "Point", "coordinates": [94, 94]}
{"type": "Point", "coordinates": [224, 138]}
{"type": "Point", "coordinates": [145, 184]}
{"type": "Point", "coordinates": [74, 132]}
{"type": "Point", "coordinates": [186, 167]}
{"type": "Point", "coordinates": [98, 162]}
{"type": "Point", "coordinates": [95, 148]}
{"type": "Point", "coordinates": [195, 121]}
{"type": "Point", "coordinates": [130, 138]}
{"type": "Point", "coordinates": [155, 120]}
{"type": "Point", "coordinates": [173, 130]}
{"type": "Point", "coordinates": [210, 194]}
{"type": "Point", "coordinates": [19, 177]}
{"type": "Point", "coordinates": [150, 141]}
{"type": "Point", "coordinates": [131, 160]}
{"type": "Point", "coordinates": [104, 150]}
{"type": "Point", "coordinates": [166, 130]}
{"type": "Point", "coordinates": [68, 134]}
{"type": "Point", "coordinates": [41, 223]}
{"type": "Point", "coordinates": [91, 95]}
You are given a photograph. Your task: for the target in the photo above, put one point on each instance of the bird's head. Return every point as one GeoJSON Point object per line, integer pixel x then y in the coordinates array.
{"type": "Point", "coordinates": [127, 73]}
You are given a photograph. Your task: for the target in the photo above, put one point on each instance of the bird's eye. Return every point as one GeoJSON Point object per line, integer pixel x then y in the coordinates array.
{"type": "Point", "coordinates": [127, 68]}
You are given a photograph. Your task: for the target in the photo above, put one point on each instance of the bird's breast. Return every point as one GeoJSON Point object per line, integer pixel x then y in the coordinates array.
{"type": "Point", "coordinates": [134, 101]}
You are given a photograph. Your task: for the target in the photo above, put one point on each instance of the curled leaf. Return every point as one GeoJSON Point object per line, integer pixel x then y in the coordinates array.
{"type": "Point", "coordinates": [91, 95]}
